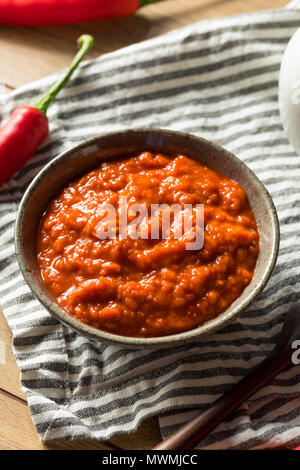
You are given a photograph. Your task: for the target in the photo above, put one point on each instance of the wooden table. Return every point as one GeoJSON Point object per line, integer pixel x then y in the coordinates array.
{"type": "Point", "coordinates": [30, 53]}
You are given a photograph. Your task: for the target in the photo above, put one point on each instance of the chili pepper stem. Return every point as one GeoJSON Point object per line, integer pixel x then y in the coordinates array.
{"type": "Point", "coordinates": [84, 42]}
{"type": "Point", "coordinates": [147, 2]}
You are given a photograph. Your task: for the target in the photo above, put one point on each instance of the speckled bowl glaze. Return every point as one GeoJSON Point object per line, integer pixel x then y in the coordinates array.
{"type": "Point", "coordinates": [84, 157]}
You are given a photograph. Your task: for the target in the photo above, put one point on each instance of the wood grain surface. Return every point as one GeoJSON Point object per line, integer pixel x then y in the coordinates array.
{"type": "Point", "coordinates": [27, 54]}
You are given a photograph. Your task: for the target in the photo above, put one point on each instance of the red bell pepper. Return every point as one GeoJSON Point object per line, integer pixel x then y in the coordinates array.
{"type": "Point", "coordinates": [27, 126]}
{"type": "Point", "coordinates": [42, 12]}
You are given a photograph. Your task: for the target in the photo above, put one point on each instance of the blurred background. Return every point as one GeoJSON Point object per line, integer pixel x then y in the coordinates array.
{"type": "Point", "coordinates": [29, 53]}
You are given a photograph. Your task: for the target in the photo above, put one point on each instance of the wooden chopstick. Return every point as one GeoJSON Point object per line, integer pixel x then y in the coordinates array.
{"type": "Point", "coordinates": [191, 433]}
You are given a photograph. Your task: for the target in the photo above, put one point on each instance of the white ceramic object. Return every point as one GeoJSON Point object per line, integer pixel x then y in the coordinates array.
{"type": "Point", "coordinates": [289, 91]}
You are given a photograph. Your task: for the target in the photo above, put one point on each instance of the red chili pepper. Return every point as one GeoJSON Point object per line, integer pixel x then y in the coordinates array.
{"type": "Point", "coordinates": [27, 126]}
{"type": "Point", "coordinates": [41, 12]}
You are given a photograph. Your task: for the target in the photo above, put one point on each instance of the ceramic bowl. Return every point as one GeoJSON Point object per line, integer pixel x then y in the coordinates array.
{"type": "Point", "coordinates": [82, 158]}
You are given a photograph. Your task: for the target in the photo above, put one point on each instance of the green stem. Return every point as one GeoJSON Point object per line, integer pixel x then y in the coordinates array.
{"type": "Point", "coordinates": [84, 42]}
{"type": "Point", "coordinates": [147, 2]}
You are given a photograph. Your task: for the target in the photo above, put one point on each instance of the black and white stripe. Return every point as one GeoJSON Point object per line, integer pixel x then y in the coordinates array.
{"type": "Point", "coordinates": [217, 79]}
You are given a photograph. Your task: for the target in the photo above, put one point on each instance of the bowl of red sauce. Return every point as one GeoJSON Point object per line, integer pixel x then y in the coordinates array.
{"type": "Point", "coordinates": [146, 238]}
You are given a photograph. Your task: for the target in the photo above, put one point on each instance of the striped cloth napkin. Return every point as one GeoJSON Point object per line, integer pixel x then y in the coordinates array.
{"type": "Point", "coordinates": [217, 79]}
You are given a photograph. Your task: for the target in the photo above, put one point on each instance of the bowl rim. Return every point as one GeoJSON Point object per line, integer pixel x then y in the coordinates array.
{"type": "Point", "coordinates": [162, 341]}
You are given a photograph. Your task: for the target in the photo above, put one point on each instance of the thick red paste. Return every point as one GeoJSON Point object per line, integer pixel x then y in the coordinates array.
{"type": "Point", "coordinates": [144, 287]}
